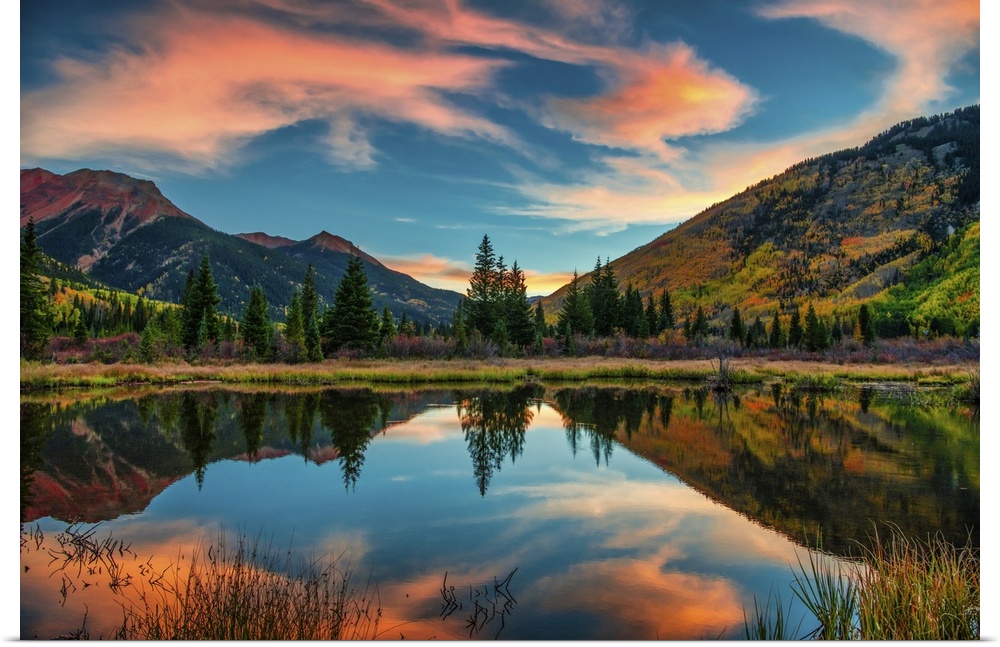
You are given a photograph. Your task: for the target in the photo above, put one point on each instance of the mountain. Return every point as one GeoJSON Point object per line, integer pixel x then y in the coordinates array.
{"type": "Point", "coordinates": [122, 231]}
{"type": "Point", "coordinates": [894, 219]}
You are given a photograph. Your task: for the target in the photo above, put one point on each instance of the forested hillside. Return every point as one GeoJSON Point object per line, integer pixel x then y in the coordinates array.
{"type": "Point", "coordinates": [893, 223]}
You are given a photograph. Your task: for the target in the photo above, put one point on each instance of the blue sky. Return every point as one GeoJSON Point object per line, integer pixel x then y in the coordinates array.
{"type": "Point", "coordinates": [563, 129]}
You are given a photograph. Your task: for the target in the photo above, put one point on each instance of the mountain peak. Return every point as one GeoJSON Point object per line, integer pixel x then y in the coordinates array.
{"type": "Point", "coordinates": [266, 240]}
{"type": "Point", "coordinates": [45, 194]}
{"type": "Point", "coordinates": [327, 241]}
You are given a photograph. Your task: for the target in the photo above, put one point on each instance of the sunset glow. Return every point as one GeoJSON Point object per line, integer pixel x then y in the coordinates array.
{"type": "Point", "coordinates": [566, 130]}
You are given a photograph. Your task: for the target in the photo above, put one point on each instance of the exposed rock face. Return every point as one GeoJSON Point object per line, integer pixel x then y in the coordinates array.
{"type": "Point", "coordinates": [121, 203]}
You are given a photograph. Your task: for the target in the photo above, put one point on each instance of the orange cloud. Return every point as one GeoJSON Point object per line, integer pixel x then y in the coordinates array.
{"type": "Point", "coordinates": [435, 271]}
{"type": "Point", "coordinates": [449, 274]}
{"type": "Point", "coordinates": [664, 93]}
{"type": "Point", "coordinates": [201, 85]}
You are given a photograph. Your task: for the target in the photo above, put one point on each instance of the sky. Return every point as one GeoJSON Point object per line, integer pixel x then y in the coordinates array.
{"type": "Point", "coordinates": [565, 130]}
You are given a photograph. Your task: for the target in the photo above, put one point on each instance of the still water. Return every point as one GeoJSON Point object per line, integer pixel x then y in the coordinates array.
{"type": "Point", "coordinates": [605, 512]}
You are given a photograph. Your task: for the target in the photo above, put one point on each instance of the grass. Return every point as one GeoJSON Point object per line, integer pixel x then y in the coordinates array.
{"type": "Point", "coordinates": [249, 591]}
{"type": "Point", "coordinates": [494, 371]}
{"type": "Point", "coordinates": [901, 589]}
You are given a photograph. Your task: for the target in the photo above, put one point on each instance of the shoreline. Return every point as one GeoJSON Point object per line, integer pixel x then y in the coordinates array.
{"type": "Point", "coordinates": [495, 370]}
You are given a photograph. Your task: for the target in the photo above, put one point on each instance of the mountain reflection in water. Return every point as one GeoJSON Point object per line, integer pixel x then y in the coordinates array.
{"type": "Point", "coordinates": [628, 512]}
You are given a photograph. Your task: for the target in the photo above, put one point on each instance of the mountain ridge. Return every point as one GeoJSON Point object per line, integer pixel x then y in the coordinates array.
{"type": "Point", "coordinates": [837, 229]}
{"type": "Point", "coordinates": [124, 232]}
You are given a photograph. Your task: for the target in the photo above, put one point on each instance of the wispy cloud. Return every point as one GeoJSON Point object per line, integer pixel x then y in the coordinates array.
{"type": "Point", "coordinates": [197, 86]}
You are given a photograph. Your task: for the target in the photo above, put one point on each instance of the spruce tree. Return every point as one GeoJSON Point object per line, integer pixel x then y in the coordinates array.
{"type": "Point", "coordinates": [481, 296]}
{"type": "Point", "coordinates": [540, 326]}
{"type": "Point", "coordinates": [652, 318]}
{"type": "Point", "coordinates": [310, 317]}
{"type": "Point", "coordinates": [201, 323]}
{"type": "Point", "coordinates": [815, 333]}
{"type": "Point", "coordinates": [795, 329]}
{"type": "Point", "coordinates": [775, 336]}
{"type": "Point", "coordinates": [352, 322]}
{"type": "Point", "coordinates": [736, 331]}
{"type": "Point", "coordinates": [255, 329]}
{"type": "Point", "coordinates": [575, 318]}
{"type": "Point", "coordinates": [387, 327]}
{"type": "Point", "coordinates": [866, 328]}
{"type": "Point", "coordinates": [520, 327]}
{"type": "Point", "coordinates": [295, 334]}
{"type": "Point", "coordinates": [666, 313]}
{"type": "Point", "coordinates": [606, 305]}
{"type": "Point", "coordinates": [34, 301]}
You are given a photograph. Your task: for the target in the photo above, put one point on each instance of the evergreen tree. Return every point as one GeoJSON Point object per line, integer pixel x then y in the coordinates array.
{"type": "Point", "coordinates": [255, 329]}
{"type": "Point", "coordinates": [541, 328]}
{"type": "Point", "coordinates": [310, 317]}
{"type": "Point", "coordinates": [652, 318]}
{"type": "Point", "coordinates": [459, 329]}
{"type": "Point", "coordinates": [575, 318]}
{"type": "Point", "coordinates": [606, 305]}
{"type": "Point", "coordinates": [295, 334]}
{"type": "Point", "coordinates": [34, 302]}
{"type": "Point", "coordinates": [666, 313]}
{"type": "Point", "coordinates": [520, 327]}
{"type": "Point", "coordinates": [815, 333]}
{"type": "Point", "coordinates": [149, 342]}
{"type": "Point", "coordinates": [352, 322]}
{"type": "Point", "coordinates": [482, 307]}
{"type": "Point", "coordinates": [795, 329]}
{"type": "Point", "coordinates": [387, 327]}
{"type": "Point", "coordinates": [80, 332]}
{"type": "Point", "coordinates": [776, 338]}
{"type": "Point", "coordinates": [865, 327]}
{"type": "Point", "coordinates": [736, 331]}
{"type": "Point", "coordinates": [201, 324]}
{"type": "Point", "coordinates": [696, 330]}
{"type": "Point", "coordinates": [633, 316]}
{"type": "Point", "coordinates": [836, 333]}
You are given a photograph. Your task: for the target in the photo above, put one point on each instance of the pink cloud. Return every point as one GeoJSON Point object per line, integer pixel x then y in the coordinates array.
{"type": "Point", "coordinates": [664, 93]}
{"type": "Point", "coordinates": [203, 84]}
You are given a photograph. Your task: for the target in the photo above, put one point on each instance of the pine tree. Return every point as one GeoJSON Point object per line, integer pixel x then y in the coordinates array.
{"type": "Point", "coordinates": [652, 318]}
{"type": "Point", "coordinates": [866, 328]}
{"type": "Point", "coordinates": [201, 323]}
{"type": "Point", "coordinates": [387, 327]}
{"type": "Point", "coordinates": [815, 333]}
{"type": "Point", "coordinates": [575, 318]}
{"type": "Point", "coordinates": [255, 329]}
{"type": "Point", "coordinates": [736, 331]}
{"type": "Point", "coordinates": [482, 307]}
{"type": "Point", "coordinates": [310, 317]}
{"type": "Point", "coordinates": [775, 337]}
{"type": "Point", "coordinates": [541, 328]}
{"type": "Point", "coordinates": [795, 329]}
{"type": "Point", "coordinates": [606, 305]}
{"type": "Point", "coordinates": [295, 334]}
{"type": "Point", "coordinates": [34, 304]}
{"type": "Point", "coordinates": [520, 327]}
{"type": "Point", "coordinates": [352, 322]}
{"type": "Point", "coordinates": [666, 321]}
{"type": "Point", "coordinates": [459, 329]}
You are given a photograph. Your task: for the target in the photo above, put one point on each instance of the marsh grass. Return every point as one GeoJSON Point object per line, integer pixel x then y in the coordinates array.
{"type": "Point", "coordinates": [900, 589]}
{"type": "Point", "coordinates": [251, 591]}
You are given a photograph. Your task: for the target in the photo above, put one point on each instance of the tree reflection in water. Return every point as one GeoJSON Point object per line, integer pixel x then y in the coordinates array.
{"type": "Point", "coordinates": [494, 423]}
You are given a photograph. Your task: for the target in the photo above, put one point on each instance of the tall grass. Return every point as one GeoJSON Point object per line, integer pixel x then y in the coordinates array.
{"type": "Point", "coordinates": [901, 589]}
{"type": "Point", "coordinates": [251, 592]}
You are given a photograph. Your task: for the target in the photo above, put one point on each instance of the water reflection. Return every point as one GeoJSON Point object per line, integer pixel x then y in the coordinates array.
{"type": "Point", "coordinates": [634, 541]}
{"type": "Point", "coordinates": [494, 423]}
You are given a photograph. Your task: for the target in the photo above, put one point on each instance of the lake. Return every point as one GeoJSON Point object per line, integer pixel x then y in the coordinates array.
{"type": "Point", "coordinates": [537, 512]}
